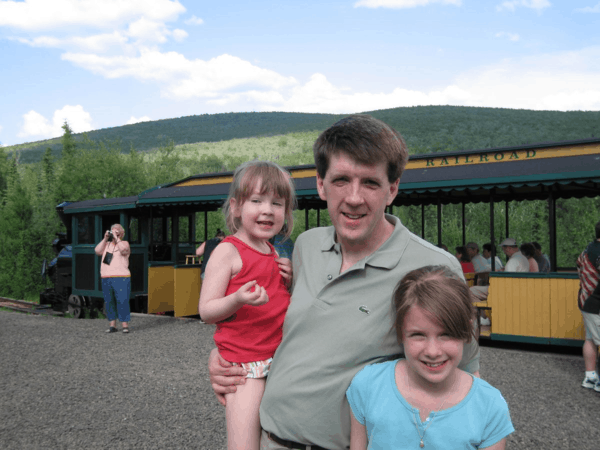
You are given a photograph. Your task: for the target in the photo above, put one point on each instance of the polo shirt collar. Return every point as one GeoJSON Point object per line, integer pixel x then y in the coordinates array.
{"type": "Point", "coordinates": [386, 257]}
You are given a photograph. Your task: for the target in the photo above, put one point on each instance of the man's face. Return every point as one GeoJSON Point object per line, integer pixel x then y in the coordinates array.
{"type": "Point", "coordinates": [486, 253]}
{"type": "Point", "coordinates": [509, 251]}
{"type": "Point", "coordinates": [356, 196]}
{"type": "Point", "coordinates": [471, 252]}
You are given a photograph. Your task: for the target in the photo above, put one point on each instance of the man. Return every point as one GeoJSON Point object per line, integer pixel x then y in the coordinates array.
{"type": "Point", "coordinates": [479, 263]}
{"type": "Point", "coordinates": [588, 267]}
{"type": "Point", "coordinates": [487, 254]}
{"type": "Point", "coordinates": [516, 261]}
{"type": "Point", "coordinates": [540, 258]}
{"type": "Point", "coordinates": [340, 316]}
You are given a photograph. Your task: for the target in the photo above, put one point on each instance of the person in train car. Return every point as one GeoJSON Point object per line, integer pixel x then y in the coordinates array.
{"type": "Point", "coordinates": [487, 254]}
{"type": "Point", "coordinates": [339, 317]}
{"type": "Point", "coordinates": [516, 261]}
{"type": "Point", "coordinates": [465, 260]}
{"type": "Point", "coordinates": [479, 262]}
{"type": "Point", "coordinates": [116, 277]}
{"type": "Point", "coordinates": [542, 260]}
{"type": "Point", "coordinates": [528, 251]}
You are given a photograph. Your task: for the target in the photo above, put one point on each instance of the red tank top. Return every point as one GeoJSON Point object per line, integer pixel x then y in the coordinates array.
{"type": "Point", "coordinates": [253, 333]}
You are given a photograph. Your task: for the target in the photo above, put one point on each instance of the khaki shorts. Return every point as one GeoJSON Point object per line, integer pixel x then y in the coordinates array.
{"type": "Point", "coordinates": [256, 369]}
{"type": "Point", "coordinates": [592, 327]}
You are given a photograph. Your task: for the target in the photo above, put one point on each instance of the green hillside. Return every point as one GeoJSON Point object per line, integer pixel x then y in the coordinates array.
{"type": "Point", "coordinates": [425, 128]}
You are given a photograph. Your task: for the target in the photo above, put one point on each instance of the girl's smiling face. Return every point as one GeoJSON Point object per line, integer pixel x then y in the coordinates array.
{"type": "Point", "coordinates": [261, 215]}
{"type": "Point", "coordinates": [432, 356]}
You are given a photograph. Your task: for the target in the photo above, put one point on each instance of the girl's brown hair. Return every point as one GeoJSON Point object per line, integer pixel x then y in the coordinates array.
{"type": "Point", "coordinates": [444, 296]}
{"type": "Point", "coordinates": [271, 178]}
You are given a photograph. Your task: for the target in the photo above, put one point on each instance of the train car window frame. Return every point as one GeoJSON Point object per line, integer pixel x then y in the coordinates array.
{"type": "Point", "coordinates": [86, 229]}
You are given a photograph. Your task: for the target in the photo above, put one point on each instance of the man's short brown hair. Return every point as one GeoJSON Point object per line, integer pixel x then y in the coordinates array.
{"type": "Point", "coordinates": [365, 140]}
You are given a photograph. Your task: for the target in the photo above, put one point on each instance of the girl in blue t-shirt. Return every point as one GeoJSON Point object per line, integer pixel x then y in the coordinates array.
{"type": "Point", "coordinates": [424, 400]}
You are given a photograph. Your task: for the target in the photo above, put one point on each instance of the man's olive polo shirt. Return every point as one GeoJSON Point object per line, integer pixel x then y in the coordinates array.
{"type": "Point", "coordinates": [335, 325]}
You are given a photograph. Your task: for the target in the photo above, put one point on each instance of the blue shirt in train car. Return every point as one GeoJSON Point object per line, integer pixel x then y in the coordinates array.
{"type": "Point", "coordinates": [480, 420]}
{"type": "Point", "coordinates": [283, 245]}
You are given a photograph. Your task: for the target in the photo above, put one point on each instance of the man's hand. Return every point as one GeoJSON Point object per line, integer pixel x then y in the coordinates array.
{"type": "Point", "coordinates": [285, 269]}
{"type": "Point", "coordinates": [224, 376]}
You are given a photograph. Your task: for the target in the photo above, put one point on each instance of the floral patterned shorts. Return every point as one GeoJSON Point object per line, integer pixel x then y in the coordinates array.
{"type": "Point", "coordinates": [256, 369]}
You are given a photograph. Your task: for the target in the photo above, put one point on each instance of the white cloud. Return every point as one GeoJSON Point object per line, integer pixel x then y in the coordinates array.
{"type": "Point", "coordinates": [145, 30]}
{"type": "Point", "coordinates": [533, 4]}
{"type": "Point", "coordinates": [182, 78]}
{"type": "Point", "coordinates": [36, 125]}
{"type": "Point", "coordinates": [319, 95]}
{"type": "Point", "coordinates": [399, 4]}
{"type": "Point", "coordinates": [510, 36]}
{"type": "Point", "coordinates": [133, 120]}
{"type": "Point", "coordinates": [589, 9]}
{"type": "Point", "coordinates": [100, 43]}
{"type": "Point", "coordinates": [179, 35]}
{"type": "Point", "coordinates": [560, 81]}
{"type": "Point", "coordinates": [194, 21]}
{"type": "Point", "coordinates": [57, 14]}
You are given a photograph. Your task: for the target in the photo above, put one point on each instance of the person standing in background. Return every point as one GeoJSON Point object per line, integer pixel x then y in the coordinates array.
{"type": "Point", "coordinates": [116, 277]}
{"type": "Point", "coordinates": [588, 268]}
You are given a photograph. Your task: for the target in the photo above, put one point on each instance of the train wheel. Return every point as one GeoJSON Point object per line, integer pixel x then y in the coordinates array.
{"type": "Point", "coordinates": [76, 306]}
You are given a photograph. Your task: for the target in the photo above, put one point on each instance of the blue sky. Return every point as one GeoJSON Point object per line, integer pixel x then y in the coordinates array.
{"type": "Point", "coordinates": [106, 63]}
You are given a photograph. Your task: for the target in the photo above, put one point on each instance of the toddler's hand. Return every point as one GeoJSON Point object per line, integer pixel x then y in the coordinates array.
{"type": "Point", "coordinates": [285, 269]}
{"type": "Point", "coordinates": [256, 298]}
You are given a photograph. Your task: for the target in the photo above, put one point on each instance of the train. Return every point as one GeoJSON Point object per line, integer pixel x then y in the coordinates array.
{"type": "Point", "coordinates": [160, 227]}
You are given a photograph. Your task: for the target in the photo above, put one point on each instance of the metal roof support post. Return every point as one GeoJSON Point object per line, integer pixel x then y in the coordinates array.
{"type": "Point", "coordinates": [439, 221]}
{"type": "Point", "coordinates": [151, 236]}
{"type": "Point", "coordinates": [492, 237]}
{"type": "Point", "coordinates": [175, 237]}
{"type": "Point", "coordinates": [506, 218]}
{"type": "Point", "coordinates": [552, 229]}
{"type": "Point", "coordinates": [205, 226]}
{"type": "Point", "coordinates": [464, 228]}
{"type": "Point", "coordinates": [306, 219]}
{"type": "Point", "coordinates": [423, 221]}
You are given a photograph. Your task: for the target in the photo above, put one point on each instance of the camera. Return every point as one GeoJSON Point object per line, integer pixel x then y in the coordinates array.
{"type": "Point", "coordinates": [111, 236]}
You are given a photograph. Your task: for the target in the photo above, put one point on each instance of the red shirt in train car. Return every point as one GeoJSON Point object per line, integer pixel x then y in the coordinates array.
{"type": "Point", "coordinates": [467, 267]}
{"type": "Point", "coordinates": [253, 333]}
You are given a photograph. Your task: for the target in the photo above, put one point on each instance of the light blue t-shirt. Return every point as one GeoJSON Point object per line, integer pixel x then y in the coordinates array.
{"type": "Point", "coordinates": [480, 420]}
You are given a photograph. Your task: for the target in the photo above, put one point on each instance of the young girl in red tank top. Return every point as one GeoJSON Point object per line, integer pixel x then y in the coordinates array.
{"type": "Point", "coordinates": [245, 288]}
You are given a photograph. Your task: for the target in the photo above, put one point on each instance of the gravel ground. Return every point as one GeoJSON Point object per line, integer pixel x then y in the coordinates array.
{"type": "Point", "coordinates": [67, 384]}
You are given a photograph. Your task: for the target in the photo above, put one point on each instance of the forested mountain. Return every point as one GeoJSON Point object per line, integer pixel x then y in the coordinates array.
{"type": "Point", "coordinates": [35, 177]}
{"type": "Point", "coordinates": [425, 128]}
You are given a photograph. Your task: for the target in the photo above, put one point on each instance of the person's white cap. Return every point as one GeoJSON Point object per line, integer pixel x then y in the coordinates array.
{"type": "Point", "coordinates": [508, 242]}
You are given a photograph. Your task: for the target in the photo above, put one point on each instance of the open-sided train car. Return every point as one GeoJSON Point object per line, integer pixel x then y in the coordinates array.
{"type": "Point", "coordinates": [160, 226]}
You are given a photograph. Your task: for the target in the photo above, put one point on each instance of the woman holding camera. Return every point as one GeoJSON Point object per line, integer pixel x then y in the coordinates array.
{"type": "Point", "coordinates": [116, 278]}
